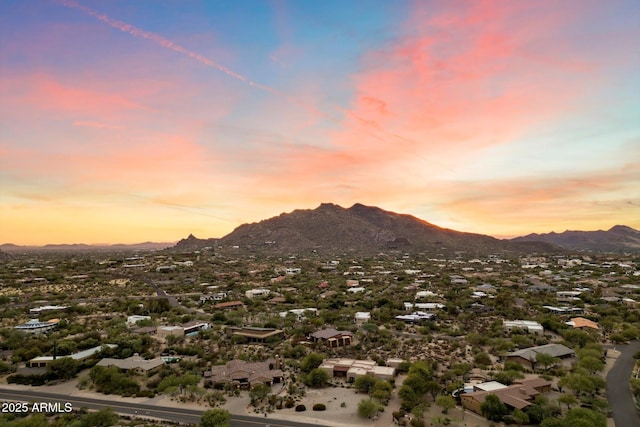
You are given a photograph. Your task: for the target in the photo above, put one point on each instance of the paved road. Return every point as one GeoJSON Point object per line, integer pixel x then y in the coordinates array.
{"type": "Point", "coordinates": [181, 415]}
{"type": "Point", "coordinates": [618, 389]}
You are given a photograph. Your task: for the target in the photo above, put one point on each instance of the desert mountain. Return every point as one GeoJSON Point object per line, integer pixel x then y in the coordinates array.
{"type": "Point", "coordinates": [617, 239]}
{"type": "Point", "coordinates": [192, 243]}
{"type": "Point", "coordinates": [361, 229]}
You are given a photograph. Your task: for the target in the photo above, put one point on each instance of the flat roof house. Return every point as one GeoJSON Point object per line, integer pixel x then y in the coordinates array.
{"type": "Point", "coordinates": [134, 363]}
{"type": "Point", "coordinates": [527, 325]}
{"type": "Point", "coordinates": [352, 369]}
{"type": "Point", "coordinates": [43, 361]}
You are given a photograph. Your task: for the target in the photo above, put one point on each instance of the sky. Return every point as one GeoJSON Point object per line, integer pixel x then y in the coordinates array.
{"type": "Point", "coordinates": [124, 122]}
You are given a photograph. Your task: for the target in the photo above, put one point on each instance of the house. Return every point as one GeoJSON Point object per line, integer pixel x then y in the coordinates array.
{"type": "Point", "coordinates": [35, 326]}
{"type": "Point", "coordinates": [416, 317]}
{"type": "Point", "coordinates": [38, 310]}
{"type": "Point", "coordinates": [426, 294]}
{"type": "Point", "coordinates": [218, 296]}
{"type": "Point", "coordinates": [254, 334]}
{"type": "Point", "coordinates": [134, 363]}
{"type": "Point", "coordinates": [332, 338]}
{"type": "Point", "coordinates": [568, 296]}
{"type": "Point", "coordinates": [527, 356]}
{"type": "Point", "coordinates": [362, 317]}
{"type": "Point", "coordinates": [300, 313]}
{"type": "Point", "coordinates": [429, 307]}
{"type": "Point", "coordinates": [255, 293]}
{"type": "Point", "coordinates": [563, 310]}
{"type": "Point", "coordinates": [582, 323]}
{"type": "Point", "coordinates": [43, 361]}
{"type": "Point", "coordinates": [352, 369]}
{"type": "Point", "coordinates": [527, 325]}
{"type": "Point", "coordinates": [242, 374]}
{"type": "Point", "coordinates": [517, 396]}
{"type": "Point", "coordinates": [195, 326]}
{"type": "Point", "coordinates": [132, 320]}
{"type": "Point", "coordinates": [165, 331]}
{"type": "Point", "coordinates": [356, 290]}
{"type": "Point", "coordinates": [229, 305]}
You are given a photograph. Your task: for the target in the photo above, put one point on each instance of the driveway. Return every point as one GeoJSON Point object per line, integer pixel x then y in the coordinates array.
{"type": "Point", "coordinates": [618, 388]}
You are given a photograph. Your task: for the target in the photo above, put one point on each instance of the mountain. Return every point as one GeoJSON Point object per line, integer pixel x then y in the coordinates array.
{"type": "Point", "coordinates": [77, 247]}
{"type": "Point", "coordinates": [619, 238]}
{"type": "Point", "coordinates": [361, 229]}
{"type": "Point", "coordinates": [192, 243]}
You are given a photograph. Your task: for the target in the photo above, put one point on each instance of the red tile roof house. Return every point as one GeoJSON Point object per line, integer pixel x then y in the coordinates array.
{"type": "Point", "coordinates": [516, 396]}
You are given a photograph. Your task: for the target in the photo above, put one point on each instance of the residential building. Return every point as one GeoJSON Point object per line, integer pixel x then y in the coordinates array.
{"type": "Point", "coordinates": [352, 369]}
{"type": "Point", "coordinates": [242, 374]}
{"type": "Point", "coordinates": [254, 334]}
{"type": "Point", "coordinates": [517, 396]}
{"type": "Point", "coordinates": [134, 363]}
{"type": "Point", "coordinates": [527, 325]}
{"type": "Point", "coordinates": [362, 317]}
{"type": "Point", "coordinates": [582, 323]}
{"type": "Point", "coordinates": [35, 326]}
{"type": "Point", "coordinates": [43, 361]}
{"type": "Point", "coordinates": [527, 356]}
{"type": "Point", "coordinates": [38, 310]}
{"type": "Point", "coordinates": [255, 293]}
{"type": "Point", "coordinates": [332, 338]}
{"type": "Point", "coordinates": [132, 320]}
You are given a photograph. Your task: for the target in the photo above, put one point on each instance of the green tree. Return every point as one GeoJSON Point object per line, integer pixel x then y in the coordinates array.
{"type": "Point", "coordinates": [410, 399]}
{"type": "Point", "coordinates": [382, 391]}
{"type": "Point", "coordinates": [483, 359]}
{"type": "Point", "coordinates": [311, 362]}
{"type": "Point", "coordinates": [216, 418]}
{"type": "Point", "coordinates": [591, 364]}
{"type": "Point", "coordinates": [316, 378]}
{"type": "Point", "coordinates": [433, 388]}
{"type": "Point", "coordinates": [568, 400]}
{"type": "Point", "coordinates": [445, 402]}
{"type": "Point", "coordinates": [578, 383]}
{"type": "Point", "coordinates": [63, 368]}
{"type": "Point", "coordinates": [493, 408]}
{"type": "Point", "coordinates": [259, 392]}
{"type": "Point", "coordinates": [546, 360]}
{"type": "Point", "coordinates": [365, 383]}
{"type": "Point", "coordinates": [520, 417]}
{"type": "Point", "coordinates": [367, 408]}
{"type": "Point", "coordinates": [103, 418]}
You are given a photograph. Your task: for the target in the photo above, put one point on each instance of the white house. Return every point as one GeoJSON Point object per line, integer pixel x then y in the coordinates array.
{"type": "Point", "coordinates": [362, 317]}
{"type": "Point", "coordinates": [253, 293]}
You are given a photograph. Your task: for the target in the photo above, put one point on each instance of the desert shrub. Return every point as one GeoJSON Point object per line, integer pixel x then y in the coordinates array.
{"type": "Point", "coordinates": [301, 408]}
{"type": "Point", "coordinates": [319, 407]}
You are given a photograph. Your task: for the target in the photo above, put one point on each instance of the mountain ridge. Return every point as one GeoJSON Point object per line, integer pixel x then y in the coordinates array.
{"type": "Point", "coordinates": [360, 228]}
{"type": "Point", "coordinates": [616, 239]}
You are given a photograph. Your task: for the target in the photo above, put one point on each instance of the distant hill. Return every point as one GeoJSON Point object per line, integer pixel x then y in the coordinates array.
{"type": "Point", "coordinates": [78, 247]}
{"type": "Point", "coordinates": [192, 243]}
{"type": "Point", "coordinates": [619, 238]}
{"type": "Point", "coordinates": [359, 229]}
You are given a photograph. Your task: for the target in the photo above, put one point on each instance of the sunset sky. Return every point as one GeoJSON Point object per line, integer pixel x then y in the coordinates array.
{"type": "Point", "coordinates": [129, 121]}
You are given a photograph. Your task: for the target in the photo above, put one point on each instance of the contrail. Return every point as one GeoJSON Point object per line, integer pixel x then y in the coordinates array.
{"type": "Point", "coordinates": [368, 127]}
{"type": "Point", "coordinates": [168, 44]}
